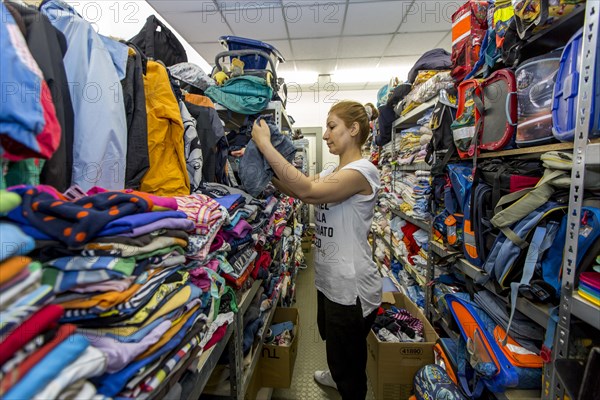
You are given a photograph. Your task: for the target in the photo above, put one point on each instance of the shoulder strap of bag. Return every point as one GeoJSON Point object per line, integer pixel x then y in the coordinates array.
{"type": "Point", "coordinates": [523, 203]}
{"type": "Point", "coordinates": [463, 360]}
{"type": "Point", "coordinates": [533, 254]}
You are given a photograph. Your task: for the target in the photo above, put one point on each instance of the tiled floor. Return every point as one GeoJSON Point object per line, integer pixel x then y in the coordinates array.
{"type": "Point", "coordinates": [311, 349]}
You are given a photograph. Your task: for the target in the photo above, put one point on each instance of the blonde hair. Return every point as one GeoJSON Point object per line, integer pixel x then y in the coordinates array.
{"type": "Point", "coordinates": [350, 112]}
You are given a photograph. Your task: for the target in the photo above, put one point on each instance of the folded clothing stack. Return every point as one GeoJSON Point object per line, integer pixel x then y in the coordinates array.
{"type": "Point", "coordinates": [589, 286]}
{"type": "Point", "coordinates": [39, 358]}
{"type": "Point", "coordinates": [398, 325]}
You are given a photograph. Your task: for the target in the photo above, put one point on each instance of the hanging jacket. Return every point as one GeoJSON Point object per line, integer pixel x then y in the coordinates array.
{"type": "Point", "coordinates": [134, 96]}
{"type": "Point", "coordinates": [100, 142]}
{"type": "Point", "coordinates": [159, 44]}
{"type": "Point", "coordinates": [167, 175]}
{"type": "Point", "coordinates": [48, 47]}
{"type": "Point", "coordinates": [193, 149]}
{"type": "Point", "coordinates": [210, 132]}
{"type": "Point", "coordinates": [28, 124]}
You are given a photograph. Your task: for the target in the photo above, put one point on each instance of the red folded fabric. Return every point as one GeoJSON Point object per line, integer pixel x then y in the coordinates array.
{"type": "Point", "coordinates": [216, 337]}
{"type": "Point", "coordinates": [46, 318]}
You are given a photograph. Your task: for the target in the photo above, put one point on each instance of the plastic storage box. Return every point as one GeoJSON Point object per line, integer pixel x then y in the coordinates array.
{"type": "Point", "coordinates": [566, 92]}
{"type": "Point", "coordinates": [535, 90]}
{"type": "Point", "coordinates": [234, 43]}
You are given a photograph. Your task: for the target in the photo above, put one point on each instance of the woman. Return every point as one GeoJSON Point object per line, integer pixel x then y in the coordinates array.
{"type": "Point", "coordinates": [348, 284]}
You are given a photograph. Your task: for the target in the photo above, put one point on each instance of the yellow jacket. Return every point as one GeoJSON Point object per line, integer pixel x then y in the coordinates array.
{"type": "Point", "coordinates": [167, 175]}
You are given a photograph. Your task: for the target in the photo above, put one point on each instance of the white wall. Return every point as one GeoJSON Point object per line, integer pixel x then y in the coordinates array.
{"type": "Point", "coordinates": [310, 108]}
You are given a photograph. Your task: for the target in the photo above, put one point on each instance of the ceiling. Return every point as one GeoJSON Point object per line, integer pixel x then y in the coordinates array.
{"type": "Point", "coordinates": [357, 44]}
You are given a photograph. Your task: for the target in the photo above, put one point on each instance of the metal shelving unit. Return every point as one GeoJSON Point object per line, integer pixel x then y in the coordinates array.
{"type": "Point", "coordinates": [423, 224]}
{"type": "Point", "coordinates": [570, 303]}
{"type": "Point", "coordinates": [411, 117]}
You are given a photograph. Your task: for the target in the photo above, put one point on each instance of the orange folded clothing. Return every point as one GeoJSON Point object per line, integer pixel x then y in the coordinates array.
{"type": "Point", "coordinates": [12, 267]}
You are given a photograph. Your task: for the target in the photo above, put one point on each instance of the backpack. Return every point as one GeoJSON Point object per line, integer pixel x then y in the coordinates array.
{"type": "Point", "coordinates": [535, 82]}
{"type": "Point", "coordinates": [493, 179]}
{"type": "Point", "coordinates": [456, 200]}
{"type": "Point", "coordinates": [441, 148]}
{"type": "Point", "coordinates": [432, 382]}
{"type": "Point", "coordinates": [499, 97]}
{"type": "Point", "coordinates": [469, 28]}
{"type": "Point", "coordinates": [159, 45]}
{"type": "Point", "coordinates": [484, 361]}
{"type": "Point", "coordinates": [566, 92]}
{"type": "Point", "coordinates": [487, 114]}
{"type": "Point", "coordinates": [468, 117]}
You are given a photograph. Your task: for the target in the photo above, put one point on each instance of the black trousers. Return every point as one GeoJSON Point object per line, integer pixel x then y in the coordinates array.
{"type": "Point", "coordinates": [345, 331]}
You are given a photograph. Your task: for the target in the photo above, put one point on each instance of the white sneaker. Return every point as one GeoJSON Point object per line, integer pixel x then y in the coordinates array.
{"type": "Point", "coordinates": [324, 378]}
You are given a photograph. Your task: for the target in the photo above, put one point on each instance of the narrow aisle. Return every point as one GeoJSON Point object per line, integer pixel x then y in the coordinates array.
{"type": "Point", "coordinates": [311, 349]}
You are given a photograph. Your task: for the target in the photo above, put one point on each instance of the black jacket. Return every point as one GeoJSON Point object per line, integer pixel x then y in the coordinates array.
{"type": "Point", "coordinates": [138, 160]}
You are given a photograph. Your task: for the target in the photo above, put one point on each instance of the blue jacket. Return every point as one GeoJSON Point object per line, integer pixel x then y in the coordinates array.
{"type": "Point", "coordinates": [94, 67]}
{"type": "Point", "coordinates": [255, 172]}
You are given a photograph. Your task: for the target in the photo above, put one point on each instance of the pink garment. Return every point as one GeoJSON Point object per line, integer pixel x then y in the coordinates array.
{"type": "Point", "coordinates": [119, 354]}
{"type": "Point", "coordinates": [106, 286]}
{"type": "Point", "coordinates": [217, 242]}
{"type": "Point", "coordinates": [158, 201]}
{"type": "Point", "coordinates": [201, 209]}
{"type": "Point", "coordinates": [241, 230]}
{"type": "Point", "coordinates": [42, 188]}
{"type": "Point", "coordinates": [199, 277]}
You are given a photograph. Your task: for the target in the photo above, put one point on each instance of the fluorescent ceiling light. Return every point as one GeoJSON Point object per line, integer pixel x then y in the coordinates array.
{"type": "Point", "coordinates": [372, 75]}
{"type": "Point", "coordinates": [299, 77]}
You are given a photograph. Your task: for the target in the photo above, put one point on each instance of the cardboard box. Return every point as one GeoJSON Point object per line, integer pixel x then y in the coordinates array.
{"type": "Point", "coordinates": [277, 362]}
{"type": "Point", "coordinates": [391, 367]}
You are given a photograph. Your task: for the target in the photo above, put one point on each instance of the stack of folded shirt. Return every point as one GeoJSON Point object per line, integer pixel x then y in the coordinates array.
{"type": "Point", "coordinates": [39, 358]}
{"type": "Point", "coordinates": [589, 286]}
{"type": "Point", "coordinates": [404, 183]}
{"type": "Point", "coordinates": [413, 190]}
{"type": "Point", "coordinates": [422, 194]}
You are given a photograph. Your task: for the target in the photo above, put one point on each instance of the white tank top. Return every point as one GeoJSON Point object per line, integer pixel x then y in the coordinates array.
{"type": "Point", "coordinates": [344, 266]}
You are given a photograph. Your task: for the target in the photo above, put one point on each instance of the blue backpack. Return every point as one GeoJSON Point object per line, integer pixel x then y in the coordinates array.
{"type": "Point", "coordinates": [486, 361]}
{"type": "Point", "coordinates": [433, 383]}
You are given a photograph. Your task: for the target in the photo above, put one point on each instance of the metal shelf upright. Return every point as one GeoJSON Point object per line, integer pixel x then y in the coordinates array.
{"type": "Point", "coordinates": [570, 304]}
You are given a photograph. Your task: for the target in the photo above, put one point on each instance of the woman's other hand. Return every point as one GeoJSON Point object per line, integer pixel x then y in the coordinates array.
{"type": "Point", "coordinates": [238, 153]}
{"type": "Point", "coordinates": [261, 134]}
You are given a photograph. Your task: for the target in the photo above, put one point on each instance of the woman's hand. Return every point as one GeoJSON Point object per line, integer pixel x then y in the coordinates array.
{"type": "Point", "coordinates": [238, 153]}
{"type": "Point", "coordinates": [261, 134]}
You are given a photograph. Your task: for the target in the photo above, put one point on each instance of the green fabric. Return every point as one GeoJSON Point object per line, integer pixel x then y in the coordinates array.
{"type": "Point", "coordinates": [8, 201]}
{"type": "Point", "coordinates": [26, 172]}
{"type": "Point", "coordinates": [245, 94]}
